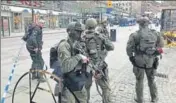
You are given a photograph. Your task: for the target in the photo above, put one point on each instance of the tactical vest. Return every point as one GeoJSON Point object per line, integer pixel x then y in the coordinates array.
{"type": "Point", "coordinates": [94, 43]}
{"type": "Point", "coordinates": [146, 42]}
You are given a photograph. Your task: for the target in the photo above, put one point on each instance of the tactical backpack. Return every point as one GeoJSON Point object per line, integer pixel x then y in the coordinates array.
{"type": "Point", "coordinates": [146, 42]}
{"type": "Point", "coordinates": [145, 48]}
{"type": "Point", "coordinates": [54, 61]}
{"type": "Point", "coordinates": [93, 43]}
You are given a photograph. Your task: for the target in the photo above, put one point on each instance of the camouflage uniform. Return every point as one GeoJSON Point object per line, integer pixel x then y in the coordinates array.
{"type": "Point", "coordinates": [97, 50]}
{"type": "Point", "coordinates": [70, 61]}
{"type": "Point", "coordinates": [141, 60]}
{"type": "Point", "coordinates": [35, 41]}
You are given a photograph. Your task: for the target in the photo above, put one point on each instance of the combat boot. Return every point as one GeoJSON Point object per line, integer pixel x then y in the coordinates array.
{"type": "Point", "coordinates": [155, 100]}
{"type": "Point", "coordinates": [135, 99]}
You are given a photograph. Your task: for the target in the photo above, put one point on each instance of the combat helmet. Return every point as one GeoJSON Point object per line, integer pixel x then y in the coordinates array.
{"type": "Point", "coordinates": [91, 23]}
{"type": "Point", "coordinates": [143, 19]}
{"type": "Point", "coordinates": [75, 26]}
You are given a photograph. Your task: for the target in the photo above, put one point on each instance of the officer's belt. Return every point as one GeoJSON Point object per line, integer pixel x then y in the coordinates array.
{"type": "Point", "coordinates": [134, 64]}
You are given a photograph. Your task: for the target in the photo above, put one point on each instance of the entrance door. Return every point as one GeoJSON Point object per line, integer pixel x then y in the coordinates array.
{"type": "Point", "coordinates": [5, 26]}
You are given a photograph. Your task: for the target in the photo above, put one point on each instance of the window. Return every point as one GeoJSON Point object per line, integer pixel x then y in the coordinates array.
{"type": "Point", "coordinates": [126, 9]}
{"type": "Point", "coordinates": [126, 4]}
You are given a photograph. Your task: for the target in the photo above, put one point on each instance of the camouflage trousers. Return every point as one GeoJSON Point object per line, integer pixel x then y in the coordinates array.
{"type": "Point", "coordinates": [104, 85]}
{"type": "Point", "coordinates": [88, 86]}
{"type": "Point", "coordinates": [139, 73]}
{"type": "Point", "coordinates": [67, 96]}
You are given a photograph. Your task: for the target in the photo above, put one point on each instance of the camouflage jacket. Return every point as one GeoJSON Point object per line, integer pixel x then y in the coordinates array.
{"type": "Point", "coordinates": [70, 61]}
{"type": "Point", "coordinates": [97, 46]}
{"type": "Point", "coordinates": [143, 59]}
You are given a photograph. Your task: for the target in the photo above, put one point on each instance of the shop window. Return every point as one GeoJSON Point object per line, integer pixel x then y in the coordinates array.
{"type": "Point", "coordinates": [126, 9]}
{"type": "Point", "coordinates": [123, 4]}
{"type": "Point", "coordinates": [17, 21]}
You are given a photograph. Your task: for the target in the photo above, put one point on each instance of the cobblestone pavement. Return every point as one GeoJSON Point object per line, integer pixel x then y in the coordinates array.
{"type": "Point", "coordinates": [122, 79]}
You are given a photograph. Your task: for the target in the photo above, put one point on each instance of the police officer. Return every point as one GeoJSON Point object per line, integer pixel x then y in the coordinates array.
{"type": "Point", "coordinates": [34, 46]}
{"type": "Point", "coordinates": [102, 27]}
{"type": "Point", "coordinates": [97, 43]}
{"type": "Point", "coordinates": [91, 47]}
{"type": "Point", "coordinates": [72, 62]}
{"type": "Point", "coordinates": [143, 47]}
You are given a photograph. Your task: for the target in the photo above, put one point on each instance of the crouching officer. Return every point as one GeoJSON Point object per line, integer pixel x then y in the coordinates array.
{"type": "Point", "coordinates": [73, 64]}
{"type": "Point", "coordinates": [143, 47]}
{"type": "Point", "coordinates": [33, 38]}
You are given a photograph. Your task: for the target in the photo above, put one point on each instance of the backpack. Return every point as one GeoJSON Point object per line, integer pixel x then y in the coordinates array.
{"type": "Point", "coordinates": [54, 61]}
{"type": "Point", "coordinates": [93, 42]}
{"type": "Point", "coordinates": [146, 41]}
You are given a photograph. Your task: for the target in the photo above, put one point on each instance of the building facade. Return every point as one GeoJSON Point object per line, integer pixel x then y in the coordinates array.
{"type": "Point", "coordinates": [6, 20]}
{"type": "Point", "coordinates": [150, 8]}
{"type": "Point", "coordinates": [124, 6]}
{"type": "Point", "coordinates": [17, 14]}
{"type": "Point", "coordinates": [54, 14]}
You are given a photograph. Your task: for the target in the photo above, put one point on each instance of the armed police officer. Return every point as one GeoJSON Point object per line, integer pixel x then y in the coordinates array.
{"type": "Point", "coordinates": [102, 27]}
{"type": "Point", "coordinates": [98, 43]}
{"type": "Point", "coordinates": [74, 64]}
{"type": "Point", "coordinates": [33, 37]}
{"type": "Point", "coordinates": [143, 47]}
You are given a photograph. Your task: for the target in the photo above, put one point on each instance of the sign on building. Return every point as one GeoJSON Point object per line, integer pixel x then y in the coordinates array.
{"type": "Point", "coordinates": [5, 8]}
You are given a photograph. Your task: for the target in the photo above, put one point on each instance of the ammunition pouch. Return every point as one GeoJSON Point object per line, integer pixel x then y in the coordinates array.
{"type": "Point", "coordinates": [102, 69]}
{"type": "Point", "coordinates": [155, 64]}
{"type": "Point", "coordinates": [103, 66]}
{"type": "Point", "coordinates": [89, 79]}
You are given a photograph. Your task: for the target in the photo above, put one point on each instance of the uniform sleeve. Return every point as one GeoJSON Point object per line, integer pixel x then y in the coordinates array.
{"type": "Point", "coordinates": [130, 46]}
{"type": "Point", "coordinates": [98, 29]}
{"type": "Point", "coordinates": [68, 62]}
{"type": "Point", "coordinates": [108, 45]}
{"type": "Point", "coordinates": [160, 42]}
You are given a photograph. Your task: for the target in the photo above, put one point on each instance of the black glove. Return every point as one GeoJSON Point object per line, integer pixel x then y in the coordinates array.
{"type": "Point", "coordinates": [156, 63]}
{"type": "Point", "coordinates": [24, 38]}
{"type": "Point", "coordinates": [132, 59]}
